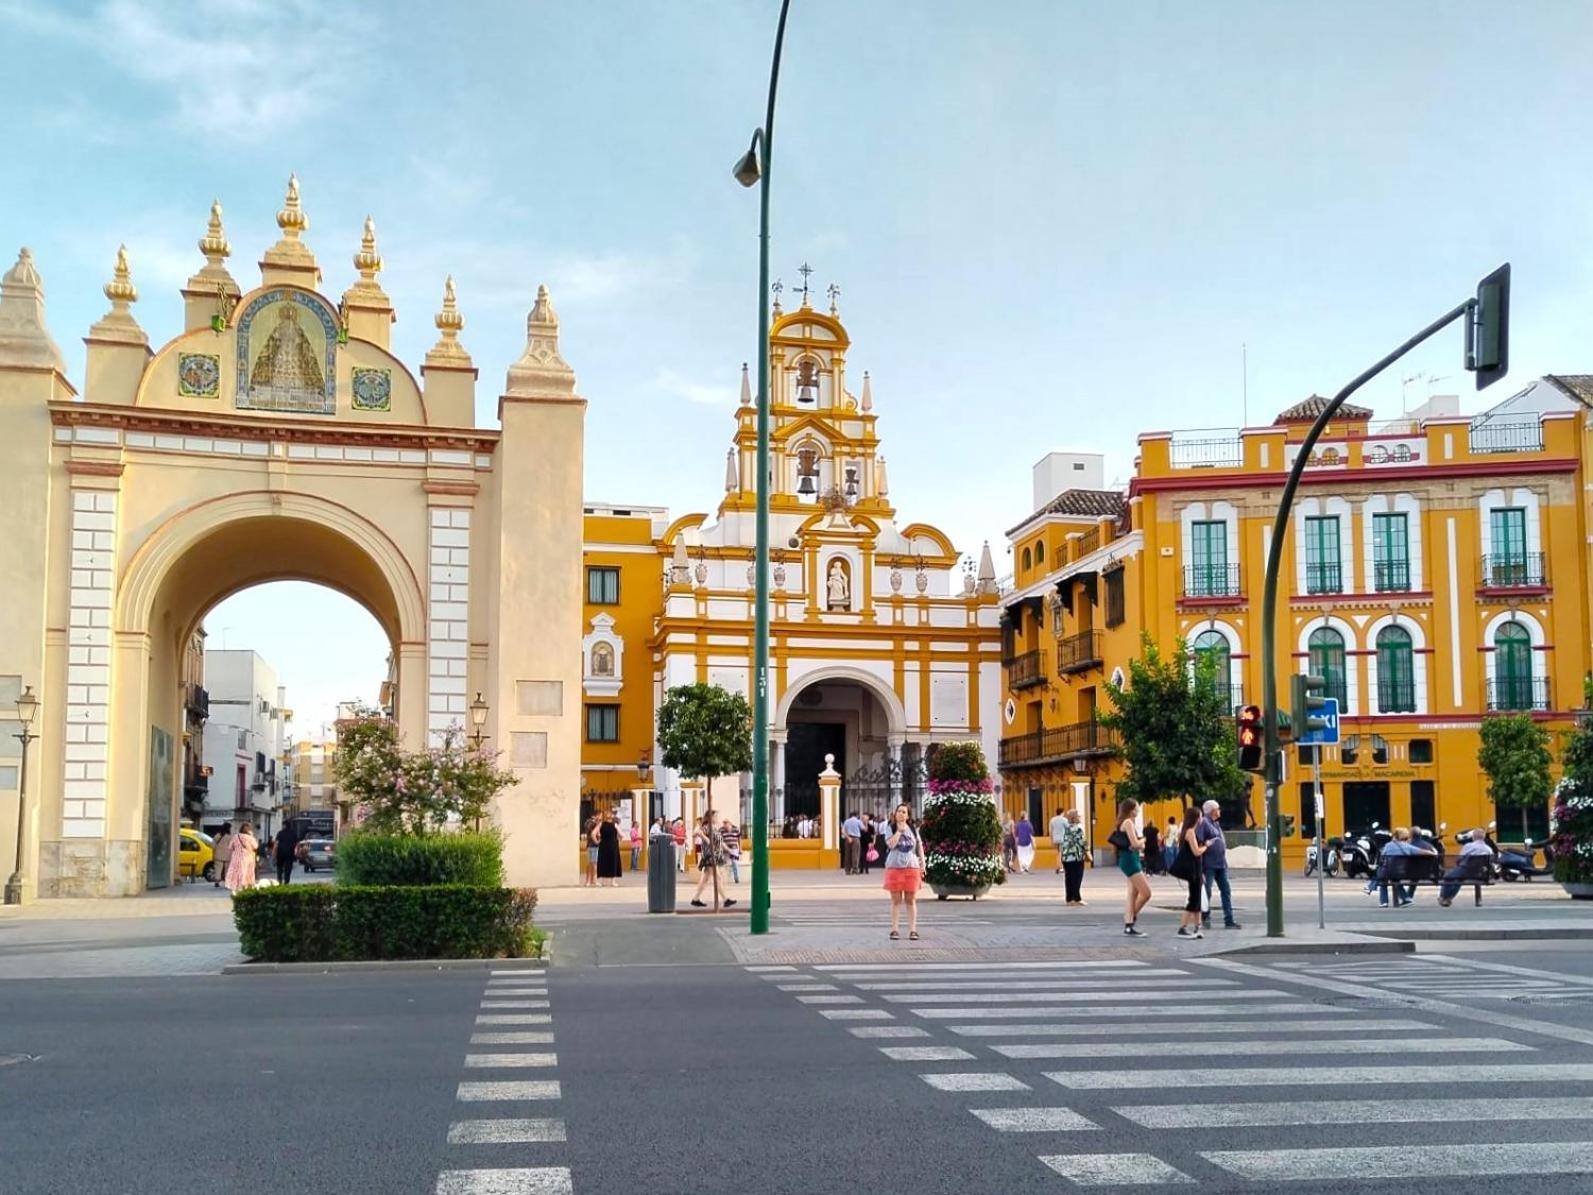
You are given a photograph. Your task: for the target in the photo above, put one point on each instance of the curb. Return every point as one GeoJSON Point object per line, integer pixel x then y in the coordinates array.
{"type": "Point", "coordinates": [1284, 946]}
{"type": "Point", "coordinates": [417, 964]}
{"type": "Point", "coordinates": [1484, 935]}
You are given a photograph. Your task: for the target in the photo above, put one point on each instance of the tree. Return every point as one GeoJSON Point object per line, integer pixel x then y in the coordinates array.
{"type": "Point", "coordinates": [1175, 728]}
{"type": "Point", "coordinates": [705, 731]}
{"type": "Point", "coordinates": [1514, 753]}
{"type": "Point", "coordinates": [1571, 839]}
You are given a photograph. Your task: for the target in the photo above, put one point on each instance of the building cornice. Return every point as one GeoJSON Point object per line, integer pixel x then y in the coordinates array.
{"type": "Point", "coordinates": [1378, 476]}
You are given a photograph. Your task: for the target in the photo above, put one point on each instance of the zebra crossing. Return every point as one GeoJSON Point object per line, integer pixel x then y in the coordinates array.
{"type": "Point", "coordinates": [1134, 1073]}
{"type": "Point", "coordinates": [1450, 978]}
{"type": "Point", "coordinates": [510, 1038]}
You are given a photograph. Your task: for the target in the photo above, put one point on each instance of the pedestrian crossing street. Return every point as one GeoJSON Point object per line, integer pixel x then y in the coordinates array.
{"type": "Point", "coordinates": [1450, 978]}
{"type": "Point", "coordinates": [508, 1065]}
{"type": "Point", "coordinates": [1123, 1073]}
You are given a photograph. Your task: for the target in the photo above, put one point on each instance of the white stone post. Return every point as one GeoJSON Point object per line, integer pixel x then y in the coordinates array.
{"type": "Point", "coordinates": [830, 803]}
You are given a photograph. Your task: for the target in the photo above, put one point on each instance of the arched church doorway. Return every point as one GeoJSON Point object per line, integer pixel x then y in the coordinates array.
{"type": "Point", "coordinates": [858, 723]}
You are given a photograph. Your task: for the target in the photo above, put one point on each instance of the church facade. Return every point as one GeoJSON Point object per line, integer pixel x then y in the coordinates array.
{"type": "Point", "coordinates": [880, 642]}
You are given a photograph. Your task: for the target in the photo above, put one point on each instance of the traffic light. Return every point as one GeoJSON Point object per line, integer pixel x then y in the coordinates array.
{"type": "Point", "coordinates": [1488, 328]}
{"type": "Point", "coordinates": [1306, 701]}
{"type": "Point", "coordinates": [1251, 736]}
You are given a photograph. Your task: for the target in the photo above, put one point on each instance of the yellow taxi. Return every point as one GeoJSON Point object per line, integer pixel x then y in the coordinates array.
{"type": "Point", "coordinates": [196, 854]}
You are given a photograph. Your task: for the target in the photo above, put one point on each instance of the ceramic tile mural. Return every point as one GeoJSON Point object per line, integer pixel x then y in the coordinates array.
{"type": "Point", "coordinates": [199, 375]}
{"type": "Point", "coordinates": [373, 389]}
{"type": "Point", "coordinates": [287, 347]}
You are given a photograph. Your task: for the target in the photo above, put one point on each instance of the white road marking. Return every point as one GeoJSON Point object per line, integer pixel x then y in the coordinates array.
{"type": "Point", "coordinates": [1238, 1077]}
{"type": "Point", "coordinates": [514, 1004]}
{"type": "Point", "coordinates": [1270, 1047]}
{"type": "Point", "coordinates": [806, 987]}
{"type": "Point", "coordinates": [830, 999]}
{"type": "Point", "coordinates": [1034, 1120]}
{"type": "Point", "coordinates": [507, 1131]}
{"type": "Point", "coordinates": [884, 1031]}
{"type": "Point", "coordinates": [514, 1018]}
{"type": "Point", "coordinates": [477, 1092]}
{"type": "Point", "coordinates": [539, 1180]}
{"type": "Point", "coordinates": [765, 969]}
{"type": "Point", "coordinates": [1140, 1029]}
{"type": "Point", "coordinates": [1266, 1012]}
{"type": "Point", "coordinates": [1115, 1170]}
{"type": "Point", "coordinates": [974, 1081]}
{"type": "Point", "coordinates": [520, 1061]}
{"type": "Point", "coordinates": [1311, 1112]}
{"type": "Point", "coordinates": [538, 1038]}
{"type": "Point", "coordinates": [983, 968]}
{"type": "Point", "coordinates": [495, 993]}
{"type": "Point", "coordinates": [926, 1054]}
{"type": "Point", "coordinates": [1426, 1162]}
{"type": "Point", "coordinates": [856, 1014]}
{"type": "Point", "coordinates": [1120, 983]}
{"type": "Point", "coordinates": [1131, 995]}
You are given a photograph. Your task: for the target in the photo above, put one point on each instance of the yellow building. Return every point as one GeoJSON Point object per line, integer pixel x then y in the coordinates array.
{"type": "Point", "coordinates": [1433, 573]}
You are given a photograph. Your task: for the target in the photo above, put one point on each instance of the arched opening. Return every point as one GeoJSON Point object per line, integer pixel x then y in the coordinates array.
{"type": "Point", "coordinates": [1396, 671]}
{"type": "Point", "coordinates": [855, 723]}
{"type": "Point", "coordinates": [1214, 644]}
{"type": "Point", "coordinates": [1326, 652]}
{"type": "Point", "coordinates": [1513, 680]}
{"type": "Point", "coordinates": [213, 680]}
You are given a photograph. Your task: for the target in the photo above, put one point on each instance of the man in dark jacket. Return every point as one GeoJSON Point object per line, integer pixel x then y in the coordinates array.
{"type": "Point", "coordinates": [286, 849]}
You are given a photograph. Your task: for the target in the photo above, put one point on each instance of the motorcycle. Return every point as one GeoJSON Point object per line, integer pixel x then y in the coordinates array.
{"type": "Point", "coordinates": [1330, 866]}
{"type": "Point", "coordinates": [1360, 855]}
{"type": "Point", "coordinates": [1521, 863]}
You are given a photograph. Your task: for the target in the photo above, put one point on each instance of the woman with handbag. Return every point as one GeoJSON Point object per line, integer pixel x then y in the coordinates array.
{"type": "Point", "coordinates": [904, 871]}
{"type": "Point", "coordinates": [711, 856]}
{"type": "Point", "coordinates": [866, 853]}
{"type": "Point", "coordinates": [1187, 867]}
{"type": "Point", "coordinates": [1129, 845]}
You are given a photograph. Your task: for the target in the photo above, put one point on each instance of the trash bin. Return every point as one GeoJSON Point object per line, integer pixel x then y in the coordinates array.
{"type": "Point", "coordinates": [661, 873]}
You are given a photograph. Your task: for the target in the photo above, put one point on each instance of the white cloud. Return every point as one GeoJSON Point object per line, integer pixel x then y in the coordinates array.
{"type": "Point", "coordinates": [668, 381]}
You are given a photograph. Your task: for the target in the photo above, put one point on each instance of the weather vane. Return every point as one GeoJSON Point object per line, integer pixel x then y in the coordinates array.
{"type": "Point", "coordinates": [805, 270]}
{"type": "Point", "coordinates": [834, 293]}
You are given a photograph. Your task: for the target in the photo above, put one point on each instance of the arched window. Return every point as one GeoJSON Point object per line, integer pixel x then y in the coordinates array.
{"type": "Point", "coordinates": [602, 660]}
{"type": "Point", "coordinates": [1028, 561]}
{"type": "Point", "coordinates": [1215, 645]}
{"type": "Point", "coordinates": [1039, 552]}
{"type": "Point", "coordinates": [1512, 668]}
{"type": "Point", "coordinates": [1325, 648]}
{"type": "Point", "coordinates": [1396, 672]}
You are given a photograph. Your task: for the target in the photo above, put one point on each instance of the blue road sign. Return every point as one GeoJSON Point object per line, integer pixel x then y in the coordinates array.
{"type": "Point", "coordinates": [1328, 735]}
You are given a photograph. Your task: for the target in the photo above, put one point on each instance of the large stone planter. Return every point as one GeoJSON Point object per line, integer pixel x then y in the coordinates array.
{"type": "Point", "coordinates": [1582, 891]}
{"type": "Point", "coordinates": [947, 891]}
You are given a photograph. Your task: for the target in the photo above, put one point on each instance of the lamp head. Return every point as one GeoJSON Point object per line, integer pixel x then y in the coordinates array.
{"type": "Point", "coordinates": [747, 170]}
{"type": "Point", "coordinates": [27, 707]}
{"type": "Point", "coordinates": [642, 765]}
{"type": "Point", "coordinates": [478, 712]}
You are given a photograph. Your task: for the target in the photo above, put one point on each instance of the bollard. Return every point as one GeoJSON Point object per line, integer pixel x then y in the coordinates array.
{"type": "Point", "coordinates": [661, 873]}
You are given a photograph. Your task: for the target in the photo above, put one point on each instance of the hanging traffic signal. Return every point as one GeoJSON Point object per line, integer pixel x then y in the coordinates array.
{"type": "Point", "coordinates": [1308, 703]}
{"type": "Point", "coordinates": [1251, 732]}
{"type": "Point", "coordinates": [1488, 328]}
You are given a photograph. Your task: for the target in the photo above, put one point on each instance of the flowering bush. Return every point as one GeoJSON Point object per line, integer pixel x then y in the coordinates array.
{"type": "Point", "coordinates": [1571, 830]}
{"type": "Point", "coordinates": [962, 833]}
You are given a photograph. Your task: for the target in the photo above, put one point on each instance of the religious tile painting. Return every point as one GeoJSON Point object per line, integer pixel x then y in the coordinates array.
{"type": "Point", "coordinates": [287, 346]}
{"type": "Point", "coordinates": [199, 375]}
{"type": "Point", "coordinates": [372, 389]}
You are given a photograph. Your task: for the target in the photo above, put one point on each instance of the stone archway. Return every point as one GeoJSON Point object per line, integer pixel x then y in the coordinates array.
{"type": "Point", "coordinates": [838, 711]}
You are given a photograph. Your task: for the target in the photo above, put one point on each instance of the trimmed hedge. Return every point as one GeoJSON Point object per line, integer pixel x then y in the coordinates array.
{"type": "Point", "coordinates": [317, 923]}
{"type": "Point", "coordinates": [405, 859]}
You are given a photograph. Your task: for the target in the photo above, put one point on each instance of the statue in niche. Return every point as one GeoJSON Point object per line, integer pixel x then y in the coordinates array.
{"type": "Point", "coordinates": [287, 363]}
{"type": "Point", "coordinates": [839, 591]}
{"type": "Point", "coordinates": [602, 660]}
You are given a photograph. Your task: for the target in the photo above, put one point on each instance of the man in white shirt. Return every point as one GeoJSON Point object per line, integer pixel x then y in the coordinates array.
{"type": "Point", "coordinates": [1056, 828]}
{"type": "Point", "coordinates": [851, 835]}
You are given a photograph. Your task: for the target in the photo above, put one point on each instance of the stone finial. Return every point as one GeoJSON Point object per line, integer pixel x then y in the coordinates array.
{"type": "Point", "coordinates": [25, 340]}
{"type": "Point", "coordinates": [732, 472]}
{"type": "Point", "coordinates": [120, 289]}
{"type": "Point", "coordinates": [679, 566]}
{"type": "Point", "coordinates": [212, 283]}
{"type": "Point", "coordinates": [118, 323]}
{"type": "Point", "coordinates": [987, 570]}
{"type": "Point", "coordinates": [290, 217]}
{"type": "Point", "coordinates": [448, 350]}
{"type": "Point", "coordinates": [214, 244]}
{"type": "Point", "coordinates": [541, 372]}
{"type": "Point", "coordinates": [291, 251]}
{"type": "Point", "coordinates": [746, 386]}
{"type": "Point", "coordinates": [868, 392]}
{"type": "Point", "coordinates": [366, 291]}
{"type": "Point", "coordinates": [367, 261]}
{"type": "Point", "coordinates": [882, 485]}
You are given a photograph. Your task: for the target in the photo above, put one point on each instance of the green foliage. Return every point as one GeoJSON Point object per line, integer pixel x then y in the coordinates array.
{"type": "Point", "coordinates": [961, 828]}
{"type": "Point", "coordinates": [371, 857]}
{"type": "Point", "coordinates": [956, 761]}
{"type": "Point", "coordinates": [413, 792]}
{"type": "Point", "coordinates": [1176, 728]}
{"type": "Point", "coordinates": [705, 731]}
{"type": "Point", "coordinates": [1572, 828]}
{"type": "Point", "coordinates": [1513, 752]}
{"type": "Point", "coordinates": [323, 923]}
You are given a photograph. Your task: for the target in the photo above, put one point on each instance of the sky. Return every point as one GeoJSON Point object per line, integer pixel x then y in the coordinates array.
{"type": "Point", "coordinates": [1054, 225]}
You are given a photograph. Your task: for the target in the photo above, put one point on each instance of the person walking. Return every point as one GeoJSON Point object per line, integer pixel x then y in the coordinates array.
{"type": "Point", "coordinates": [851, 839]}
{"type": "Point", "coordinates": [1187, 867]}
{"type": "Point", "coordinates": [287, 849]}
{"type": "Point", "coordinates": [1169, 843]}
{"type": "Point", "coordinates": [608, 851]}
{"type": "Point", "coordinates": [678, 833]}
{"type": "Point", "coordinates": [1009, 845]}
{"type": "Point", "coordinates": [589, 842]}
{"type": "Point", "coordinates": [1058, 830]}
{"type": "Point", "coordinates": [904, 871]}
{"type": "Point", "coordinates": [636, 846]}
{"type": "Point", "coordinates": [730, 835]}
{"type": "Point", "coordinates": [223, 855]}
{"type": "Point", "coordinates": [1129, 845]}
{"type": "Point", "coordinates": [1070, 849]}
{"type": "Point", "coordinates": [711, 857]}
{"type": "Point", "coordinates": [1154, 863]}
{"type": "Point", "coordinates": [241, 865]}
{"type": "Point", "coordinates": [1214, 864]}
{"type": "Point", "coordinates": [1023, 836]}
{"type": "Point", "coordinates": [865, 842]}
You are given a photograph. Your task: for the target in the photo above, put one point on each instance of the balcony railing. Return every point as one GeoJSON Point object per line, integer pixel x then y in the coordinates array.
{"type": "Point", "coordinates": [1089, 541]}
{"type": "Point", "coordinates": [1517, 435]}
{"type": "Point", "coordinates": [1518, 693]}
{"type": "Point", "coordinates": [1225, 453]}
{"type": "Point", "coordinates": [196, 700]}
{"type": "Point", "coordinates": [1024, 671]}
{"type": "Point", "coordinates": [1211, 580]}
{"type": "Point", "coordinates": [1078, 653]}
{"type": "Point", "coordinates": [1077, 741]}
{"type": "Point", "coordinates": [1324, 577]}
{"type": "Point", "coordinates": [1391, 576]}
{"type": "Point", "coordinates": [1397, 696]}
{"type": "Point", "coordinates": [1512, 570]}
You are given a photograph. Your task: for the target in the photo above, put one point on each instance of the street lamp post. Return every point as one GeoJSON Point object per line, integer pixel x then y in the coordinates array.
{"type": "Point", "coordinates": [27, 707]}
{"type": "Point", "coordinates": [478, 719]}
{"type": "Point", "coordinates": [751, 169]}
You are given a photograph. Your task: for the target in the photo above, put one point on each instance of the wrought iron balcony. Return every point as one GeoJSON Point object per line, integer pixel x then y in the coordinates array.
{"type": "Point", "coordinates": [1225, 453]}
{"type": "Point", "coordinates": [1324, 577]}
{"type": "Point", "coordinates": [1077, 741]}
{"type": "Point", "coordinates": [1513, 570]}
{"type": "Point", "coordinates": [1024, 671]}
{"type": "Point", "coordinates": [1078, 653]}
{"type": "Point", "coordinates": [1518, 693]}
{"type": "Point", "coordinates": [1211, 581]}
{"type": "Point", "coordinates": [1519, 435]}
{"type": "Point", "coordinates": [196, 701]}
{"type": "Point", "coordinates": [1396, 696]}
{"type": "Point", "coordinates": [1391, 576]}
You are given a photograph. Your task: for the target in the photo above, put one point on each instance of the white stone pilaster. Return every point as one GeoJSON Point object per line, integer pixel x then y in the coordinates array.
{"type": "Point", "coordinates": [88, 671]}
{"type": "Point", "coordinates": [448, 614]}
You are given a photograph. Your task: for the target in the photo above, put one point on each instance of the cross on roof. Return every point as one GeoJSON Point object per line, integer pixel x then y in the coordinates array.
{"type": "Point", "coordinates": [805, 270]}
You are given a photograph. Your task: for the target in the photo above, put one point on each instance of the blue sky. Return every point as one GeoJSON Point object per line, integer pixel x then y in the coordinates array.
{"type": "Point", "coordinates": [1053, 224]}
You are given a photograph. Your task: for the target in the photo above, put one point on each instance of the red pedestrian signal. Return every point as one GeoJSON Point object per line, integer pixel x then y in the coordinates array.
{"type": "Point", "coordinates": [1251, 734]}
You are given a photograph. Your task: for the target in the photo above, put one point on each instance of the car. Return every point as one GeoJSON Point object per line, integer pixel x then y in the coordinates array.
{"type": "Point", "coordinates": [196, 854]}
{"type": "Point", "coordinates": [319, 852]}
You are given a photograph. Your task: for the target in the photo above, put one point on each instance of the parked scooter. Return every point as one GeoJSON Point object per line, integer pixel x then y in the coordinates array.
{"type": "Point", "coordinates": [1333, 853]}
{"type": "Point", "coordinates": [1431, 839]}
{"type": "Point", "coordinates": [1520, 863]}
{"type": "Point", "coordinates": [1360, 854]}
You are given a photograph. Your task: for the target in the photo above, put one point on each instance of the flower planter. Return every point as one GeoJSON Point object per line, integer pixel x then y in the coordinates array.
{"type": "Point", "coordinates": [971, 891]}
{"type": "Point", "coordinates": [1583, 891]}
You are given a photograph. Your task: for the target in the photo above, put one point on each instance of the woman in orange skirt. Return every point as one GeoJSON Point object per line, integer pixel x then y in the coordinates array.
{"type": "Point", "coordinates": [904, 870]}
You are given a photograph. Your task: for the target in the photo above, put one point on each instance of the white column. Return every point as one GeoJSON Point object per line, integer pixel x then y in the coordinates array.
{"type": "Point", "coordinates": [88, 671]}
{"type": "Point", "coordinates": [448, 613]}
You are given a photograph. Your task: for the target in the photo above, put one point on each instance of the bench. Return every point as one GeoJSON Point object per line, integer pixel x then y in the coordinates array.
{"type": "Point", "coordinates": [1429, 869]}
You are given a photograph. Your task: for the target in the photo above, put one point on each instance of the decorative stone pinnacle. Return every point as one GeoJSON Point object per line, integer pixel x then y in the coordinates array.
{"type": "Point", "coordinates": [449, 322]}
{"type": "Point", "coordinates": [120, 289]}
{"type": "Point", "coordinates": [291, 253]}
{"type": "Point", "coordinates": [24, 338]}
{"type": "Point", "coordinates": [868, 392]}
{"type": "Point", "coordinates": [746, 386]}
{"type": "Point", "coordinates": [541, 372]}
{"type": "Point", "coordinates": [214, 244]}
{"type": "Point", "coordinates": [291, 218]}
{"type": "Point", "coordinates": [118, 323]}
{"type": "Point", "coordinates": [367, 261]}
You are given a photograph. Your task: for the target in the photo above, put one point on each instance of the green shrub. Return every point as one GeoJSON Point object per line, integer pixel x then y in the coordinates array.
{"type": "Point", "coordinates": [368, 858]}
{"type": "Point", "coordinates": [345, 922]}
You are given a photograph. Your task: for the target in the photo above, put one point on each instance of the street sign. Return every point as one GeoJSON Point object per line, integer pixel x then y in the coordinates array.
{"type": "Point", "coordinates": [1326, 735]}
